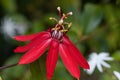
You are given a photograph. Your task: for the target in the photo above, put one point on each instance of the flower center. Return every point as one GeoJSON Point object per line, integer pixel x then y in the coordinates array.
{"type": "Point", "coordinates": [57, 34]}
{"type": "Point", "coordinates": [59, 30]}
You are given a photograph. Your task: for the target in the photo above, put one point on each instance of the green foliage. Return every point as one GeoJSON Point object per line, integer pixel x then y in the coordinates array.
{"type": "Point", "coordinates": [90, 18]}
{"type": "Point", "coordinates": [14, 72]}
{"type": "Point", "coordinates": [95, 27]}
{"type": "Point", "coordinates": [116, 55]}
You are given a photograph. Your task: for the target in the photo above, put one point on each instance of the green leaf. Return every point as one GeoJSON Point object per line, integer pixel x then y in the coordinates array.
{"type": "Point", "coordinates": [37, 69]}
{"type": "Point", "coordinates": [91, 18]}
{"type": "Point", "coordinates": [9, 5]}
{"type": "Point", "coordinates": [116, 55]}
{"type": "Point", "coordinates": [61, 73]}
{"type": "Point", "coordinates": [37, 26]}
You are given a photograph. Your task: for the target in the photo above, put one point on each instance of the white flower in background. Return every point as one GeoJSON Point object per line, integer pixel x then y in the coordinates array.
{"type": "Point", "coordinates": [11, 28]}
{"type": "Point", "coordinates": [117, 74]}
{"type": "Point", "coordinates": [98, 60]}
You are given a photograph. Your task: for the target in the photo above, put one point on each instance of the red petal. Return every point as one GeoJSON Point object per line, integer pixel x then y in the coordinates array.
{"type": "Point", "coordinates": [35, 52]}
{"type": "Point", "coordinates": [68, 61]}
{"type": "Point", "coordinates": [22, 48]}
{"type": "Point", "coordinates": [52, 58]}
{"type": "Point", "coordinates": [29, 37]}
{"type": "Point", "coordinates": [76, 54]}
{"type": "Point", "coordinates": [33, 43]}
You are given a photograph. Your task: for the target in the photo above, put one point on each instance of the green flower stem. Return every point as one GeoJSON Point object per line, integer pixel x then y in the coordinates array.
{"type": "Point", "coordinates": [37, 69]}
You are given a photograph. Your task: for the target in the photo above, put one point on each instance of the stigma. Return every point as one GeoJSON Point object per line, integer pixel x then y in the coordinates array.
{"type": "Point", "coordinates": [60, 28]}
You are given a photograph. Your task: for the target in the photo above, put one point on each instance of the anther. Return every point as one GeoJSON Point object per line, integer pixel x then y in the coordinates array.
{"type": "Point", "coordinates": [69, 25]}
{"type": "Point", "coordinates": [70, 13]}
{"type": "Point", "coordinates": [63, 30]}
{"type": "Point", "coordinates": [51, 18]}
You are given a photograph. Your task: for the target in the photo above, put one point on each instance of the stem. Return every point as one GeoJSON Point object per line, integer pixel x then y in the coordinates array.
{"type": "Point", "coordinates": [8, 66]}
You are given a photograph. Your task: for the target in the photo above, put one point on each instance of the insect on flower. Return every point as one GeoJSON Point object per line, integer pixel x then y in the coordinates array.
{"type": "Point", "coordinates": [58, 41]}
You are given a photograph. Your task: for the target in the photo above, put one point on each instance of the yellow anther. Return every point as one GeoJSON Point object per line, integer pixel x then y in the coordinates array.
{"type": "Point", "coordinates": [63, 30]}
{"type": "Point", "coordinates": [51, 18]}
{"type": "Point", "coordinates": [69, 25]}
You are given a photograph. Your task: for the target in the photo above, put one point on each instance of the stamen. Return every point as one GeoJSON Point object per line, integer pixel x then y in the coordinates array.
{"type": "Point", "coordinates": [51, 18]}
{"type": "Point", "coordinates": [60, 26]}
{"type": "Point", "coordinates": [63, 30]}
{"type": "Point", "coordinates": [69, 25]}
{"type": "Point", "coordinates": [70, 13]}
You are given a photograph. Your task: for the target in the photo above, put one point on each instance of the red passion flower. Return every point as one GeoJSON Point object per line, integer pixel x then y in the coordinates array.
{"type": "Point", "coordinates": [58, 42]}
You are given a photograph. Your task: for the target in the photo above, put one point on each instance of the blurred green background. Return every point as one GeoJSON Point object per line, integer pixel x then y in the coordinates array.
{"type": "Point", "coordinates": [95, 28]}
